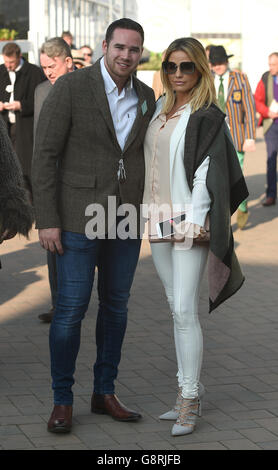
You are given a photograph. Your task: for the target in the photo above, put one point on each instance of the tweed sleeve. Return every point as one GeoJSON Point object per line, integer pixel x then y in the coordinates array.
{"type": "Point", "coordinates": [51, 136]}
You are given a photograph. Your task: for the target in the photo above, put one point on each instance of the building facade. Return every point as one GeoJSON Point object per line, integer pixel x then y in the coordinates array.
{"type": "Point", "coordinates": [38, 20]}
{"type": "Point", "coordinates": [246, 28]}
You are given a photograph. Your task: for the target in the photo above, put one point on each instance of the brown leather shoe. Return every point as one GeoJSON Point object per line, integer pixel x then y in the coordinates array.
{"type": "Point", "coordinates": [111, 405]}
{"type": "Point", "coordinates": [61, 419]}
{"type": "Point", "coordinates": [270, 201]}
{"type": "Point", "coordinates": [47, 317]}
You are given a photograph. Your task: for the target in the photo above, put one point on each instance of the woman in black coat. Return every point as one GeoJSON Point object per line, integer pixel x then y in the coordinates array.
{"type": "Point", "coordinates": [16, 213]}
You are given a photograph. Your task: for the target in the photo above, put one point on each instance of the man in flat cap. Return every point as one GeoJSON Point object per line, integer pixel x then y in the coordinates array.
{"type": "Point", "coordinates": [236, 100]}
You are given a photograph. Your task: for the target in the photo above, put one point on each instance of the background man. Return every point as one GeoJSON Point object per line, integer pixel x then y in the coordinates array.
{"type": "Point", "coordinates": [68, 37]}
{"type": "Point", "coordinates": [89, 146]}
{"type": "Point", "coordinates": [235, 98]}
{"type": "Point", "coordinates": [56, 60]}
{"type": "Point", "coordinates": [88, 54]}
{"type": "Point", "coordinates": [266, 98]}
{"type": "Point", "coordinates": [18, 80]}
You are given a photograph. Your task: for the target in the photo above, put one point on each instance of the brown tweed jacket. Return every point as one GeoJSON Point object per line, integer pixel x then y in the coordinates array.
{"type": "Point", "coordinates": [76, 155]}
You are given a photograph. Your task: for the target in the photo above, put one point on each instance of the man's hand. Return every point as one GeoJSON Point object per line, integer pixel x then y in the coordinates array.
{"type": "Point", "coordinates": [13, 106]}
{"type": "Point", "coordinates": [1, 106]}
{"type": "Point", "coordinates": [7, 235]}
{"type": "Point", "coordinates": [249, 145]}
{"type": "Point", "coordinates": [50, 239]}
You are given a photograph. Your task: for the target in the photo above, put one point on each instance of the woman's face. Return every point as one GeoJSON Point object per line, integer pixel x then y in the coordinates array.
{"type": "Point", "coordinates": [180, 82]}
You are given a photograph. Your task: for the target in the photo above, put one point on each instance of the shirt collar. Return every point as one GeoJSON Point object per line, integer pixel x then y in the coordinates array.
{"type": "Point", "coordinates": [224, 76]}
{"type": "Point", "coordinates": [20, 65]}
{"type": "Point", "coordinates": [109, 84]}
{"type": "Point", "coordinates": [185, 108]}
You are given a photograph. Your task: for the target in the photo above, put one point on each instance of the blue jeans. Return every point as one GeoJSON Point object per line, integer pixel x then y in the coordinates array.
{"type": "Point", "coordinates": [116, 261]}
{"type": "Point", "coordinates": [271, 140]}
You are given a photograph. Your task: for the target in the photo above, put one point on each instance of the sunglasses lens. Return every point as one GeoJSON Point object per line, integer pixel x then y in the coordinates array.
{"type": "Point", "coordinates": [169, 67]}
{"type": "Point", "coordinates": [187, 67]}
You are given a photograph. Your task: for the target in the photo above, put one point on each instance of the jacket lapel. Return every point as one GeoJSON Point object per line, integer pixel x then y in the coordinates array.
{"type": "Point", "coordinates": [230, 86]}
{"type": "Point", "coordinates": [141, 110]}
{"type": "Point", "coordinates": [177, 135]}
{"type": "Point", "coordinates": [97, 87]}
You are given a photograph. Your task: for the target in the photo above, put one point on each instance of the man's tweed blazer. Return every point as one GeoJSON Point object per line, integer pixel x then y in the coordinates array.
{"type": "Point", "coordinates": [76, 154]}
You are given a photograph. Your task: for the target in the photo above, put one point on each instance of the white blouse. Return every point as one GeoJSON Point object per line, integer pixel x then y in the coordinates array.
{"type": "Point", "coordinates": [157, 149]}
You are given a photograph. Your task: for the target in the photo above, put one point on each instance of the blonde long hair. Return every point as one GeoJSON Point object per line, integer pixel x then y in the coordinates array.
{"type": "Point", "coordinates": [203, 94]}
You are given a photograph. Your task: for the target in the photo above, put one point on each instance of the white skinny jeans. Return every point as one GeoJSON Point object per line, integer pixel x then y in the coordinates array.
{"type": "Point", "coordinates": [181, 273]}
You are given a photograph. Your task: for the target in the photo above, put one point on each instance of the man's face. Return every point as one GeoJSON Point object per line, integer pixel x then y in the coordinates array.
{"type": "Point", "coordinates": [122, 54]}
{"type": "Point", "coordinates": [68, 40]}
{"type": "Point", "coordinates": [220, 69]}
{"type": "Point", "coordinates": [11, 62]}
{"type": "Point", "coordinates": [55, 67]}
{"type": "Point", "coordinates": [273, 64]}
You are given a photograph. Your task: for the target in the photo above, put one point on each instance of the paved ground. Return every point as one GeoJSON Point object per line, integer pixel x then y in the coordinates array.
{"type": "Point", "coordinates": [240, 369]}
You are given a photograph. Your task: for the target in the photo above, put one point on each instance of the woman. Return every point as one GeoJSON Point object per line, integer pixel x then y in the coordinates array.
{"type": "Point", "coordinates": [191, 168]}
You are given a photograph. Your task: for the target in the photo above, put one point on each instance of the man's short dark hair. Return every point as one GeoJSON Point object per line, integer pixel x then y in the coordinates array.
{"type": "Point", "coordinates": [124, 23]}
{"type": "Point", "coordinates": [11, 49]}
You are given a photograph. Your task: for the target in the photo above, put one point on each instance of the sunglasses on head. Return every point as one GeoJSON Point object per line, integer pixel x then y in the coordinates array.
{"type": "Point", "coordinates": [171, 67]}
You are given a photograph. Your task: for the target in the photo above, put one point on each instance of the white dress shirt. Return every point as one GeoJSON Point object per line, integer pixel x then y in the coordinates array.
{"type": "Point", "coordinates": [123, 106]}
{"type": "Point", "coordinates": [10, 89]}
{"type": "Point", "coordinates": [166, 183]}
{"type": "Point", "coordinates": [225, 77]}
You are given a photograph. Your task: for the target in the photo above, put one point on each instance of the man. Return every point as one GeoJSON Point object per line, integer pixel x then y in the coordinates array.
{"type": "Point", "coordinates": [18, 80]}
{"type": "Point", "coordinates": [266, 98]}
{"type": "Point", "coordinates": [87, 53]}
{"type": "Point", "coordinates": [78, 58]}
{"type": "Point", "coordinates": [56, 60]}
{"type": "Point", "coordinates": [68, 37]}
{"type": "Point", "coordinates": [235, 98]}
{"type": "Point", "coordinates": [89, 146]}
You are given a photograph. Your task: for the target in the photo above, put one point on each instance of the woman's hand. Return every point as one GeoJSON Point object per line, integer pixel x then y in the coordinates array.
{"type": "Point", "coordinates": [203, 236]}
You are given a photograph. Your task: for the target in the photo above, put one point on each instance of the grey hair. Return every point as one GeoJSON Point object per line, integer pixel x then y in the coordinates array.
{"type": "Point", "coordinates": [56, 47]}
